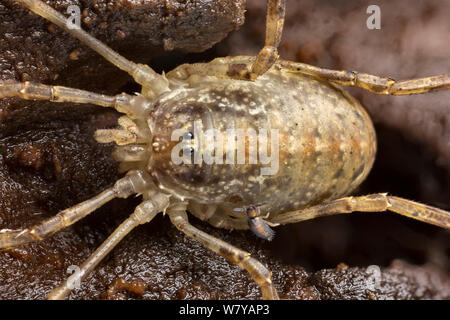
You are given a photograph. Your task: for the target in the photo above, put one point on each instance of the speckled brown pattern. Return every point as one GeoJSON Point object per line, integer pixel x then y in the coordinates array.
{"type": "Point", "coordinates": [326, 142]}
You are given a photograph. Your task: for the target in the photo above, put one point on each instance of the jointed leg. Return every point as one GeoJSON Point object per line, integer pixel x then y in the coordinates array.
{"type": "Point", "coordinates": [134, 182]}
{"type": "Point", "coordinates": [239, 68]}
{"type": "Point", "coordinates": [36, 91]}
{"type": "Point", "coordinates": [132, 105]}
{"type": "Point", "coordinates": [274, 29]}
{"type": "Point", "coordinates": [143, 213]}
{"type": "Point", "coordinates": [369, 82]}
{"type": "Point", "coordinates": [142, 74]}
{"type": "Point", "coordinates": [257, 271]}
{"type": "Point", "coordinates": [377, 202]}
{"type": "Point", "coordinates": [244, 68]}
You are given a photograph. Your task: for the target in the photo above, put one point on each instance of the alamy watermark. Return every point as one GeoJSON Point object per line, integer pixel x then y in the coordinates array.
{"type": "Point", "coordinates": [374, 20]}
{"type": "Point", "coordinates": [74, 281]}
{"type": "Point", "coordinates": [234, 146]}
{"type": "Point", "coordinates": [74, 20]}
{"type": "Point", "coordinates": [374, 279]}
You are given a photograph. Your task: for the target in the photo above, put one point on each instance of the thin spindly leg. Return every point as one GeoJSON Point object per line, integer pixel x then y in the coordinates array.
{"type": "Point", "coordinates": [225, 222]}
{"type": "Point", "coordinates": [239, 67]}
{"type": "Point", "coordinates": [377, 202]}
{"type": "Point", "coordinates": [143, 213]}
{"type": "Point", "coordinates": [154, 83]}
{"type": "Point", "coordinates": [369, 82]}
{"type": "Point", "coordinates": [134, 182]}
{"type": "Point", "coordinates": [131, 153]}
{"type": "Point", "coordinates": [131, 105]}
{"type": "Point", "coordinates": [257, 271]}
{"type": "Point", "coordinates": [274, 29]}
{"type": "Point", "coordinates": [235, 68]}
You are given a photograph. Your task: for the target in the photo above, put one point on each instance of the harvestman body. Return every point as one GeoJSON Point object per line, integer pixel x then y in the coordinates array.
{"type": "Point", "coordinates": [327, 145]}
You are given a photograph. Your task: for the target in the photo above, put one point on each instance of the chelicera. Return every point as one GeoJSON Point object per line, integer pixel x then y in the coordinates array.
{"type": "Point", "coordinates": [324, 143]}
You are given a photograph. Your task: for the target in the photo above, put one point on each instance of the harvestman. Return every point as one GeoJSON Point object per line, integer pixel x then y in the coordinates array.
{"type": "Point", "coordinates": [143, 147]}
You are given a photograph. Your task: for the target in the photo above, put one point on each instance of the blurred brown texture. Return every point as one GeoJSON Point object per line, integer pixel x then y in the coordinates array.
{"type": "Point", "coordinates": [49, 161]}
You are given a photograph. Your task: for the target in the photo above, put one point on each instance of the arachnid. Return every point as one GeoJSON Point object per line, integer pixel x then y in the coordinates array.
{"type": "Point", "coordinates": [241, 93]}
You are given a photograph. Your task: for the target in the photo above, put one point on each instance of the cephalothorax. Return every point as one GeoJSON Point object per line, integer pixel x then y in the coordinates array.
{"type": "Point", "coordinates": [322, 145]}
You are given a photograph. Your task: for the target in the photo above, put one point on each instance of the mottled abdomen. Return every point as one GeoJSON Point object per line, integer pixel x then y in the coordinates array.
{"type": "Point", "coordinates": [326, 142]}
